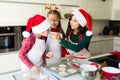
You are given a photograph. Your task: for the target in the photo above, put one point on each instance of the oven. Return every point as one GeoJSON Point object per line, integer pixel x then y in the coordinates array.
{"type": "Point", "coordinates": [7, 39]}
{"type": "Point", "coordinates": [11, 38]}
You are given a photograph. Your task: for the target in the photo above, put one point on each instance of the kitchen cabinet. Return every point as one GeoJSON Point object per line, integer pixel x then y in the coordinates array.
{"type": "Point", "coordinates": [97, 8]}
{"type": "Point", "coordinates": [63, 2]}
{"type": "Point", "coordinates": [100, 46]}
{"type": "Point", "coordinates": [17, 14]}
{"type": "Point", "coordinates": [116, 46]}
{"type": "Point", "coordinates": [115, 10]}
{"type": "Point", "coordinates": [9, 63]}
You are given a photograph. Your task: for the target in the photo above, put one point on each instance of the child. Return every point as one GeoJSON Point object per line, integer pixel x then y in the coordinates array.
{"type": "Point", "coordinates": [78, 35]}
{"type": "Point", "coordinates": [52, 44]}
{"type": "Point", "coordinates": [33, 47]}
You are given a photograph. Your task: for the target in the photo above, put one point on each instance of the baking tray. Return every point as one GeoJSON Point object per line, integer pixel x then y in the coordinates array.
{"type": "Point", "coordinates": [20, 75]}
{"type": "Point", "coordinates": [62, 69]}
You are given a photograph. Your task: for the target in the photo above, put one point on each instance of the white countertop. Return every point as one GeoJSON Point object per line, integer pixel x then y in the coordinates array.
{"type": "Point", "coordinates": [102, 37]}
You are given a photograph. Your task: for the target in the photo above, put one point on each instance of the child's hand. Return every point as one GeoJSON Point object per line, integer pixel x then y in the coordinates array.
{"type": "Point", "coordinates": [56, 36]}
{"type": "Point", "coordinates": [36, 70]}
{"type": "Point", "coordinates": [49, 54]}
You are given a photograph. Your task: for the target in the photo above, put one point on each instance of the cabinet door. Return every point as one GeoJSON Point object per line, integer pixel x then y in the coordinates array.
{"type": "Point", "coordinates": [95, 48]}
{"type": "Point", "coordinates": [17, 14]}
{"type": "Point", "coordinates": [97, 8]}
{"type": "Point", "coordinates": [102, 46]}
{"type": "Point", "coordinates": [116, 46]}
{"type": "Point", "coordinates": [9, 63]}
{"type": "Point", "coordinates": [107, 46]}
{"type": "Point", "coordinates": [66, 2]}
{"type": "Point", "coordinates": [5, 77]}
{"type": "Point", "coordinates": [116, 10]}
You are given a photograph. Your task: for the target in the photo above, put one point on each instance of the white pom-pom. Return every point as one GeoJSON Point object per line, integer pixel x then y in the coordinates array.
{"type": "Point", "coordinates": [25, 34]}
{"type": "Point", "coordinates": [89, 33]}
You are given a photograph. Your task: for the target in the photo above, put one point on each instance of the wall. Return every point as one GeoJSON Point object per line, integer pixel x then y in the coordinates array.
{"type": "Point", "coordinates": [98, 26]}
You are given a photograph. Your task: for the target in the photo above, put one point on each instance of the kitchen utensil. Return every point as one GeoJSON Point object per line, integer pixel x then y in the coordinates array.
{"type": "Point", "coordinates": [73, 64]}
{"type": "Point", "coordinates": [109, 72]}
{"type": "Point", "coordinates": [116, 30]}
{"type": "Point", "coordinates": [75, 57]}
{"type": "Point", "coordinates": [106, 30]}
{"type": "Point", "coordinates": [88, 71]}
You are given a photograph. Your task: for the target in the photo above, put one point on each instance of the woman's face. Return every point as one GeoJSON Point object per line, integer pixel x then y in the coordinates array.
{"type": "Point", "coordinates": [74, 23]}
{"type": "Point", "coordinates": [55, 20]}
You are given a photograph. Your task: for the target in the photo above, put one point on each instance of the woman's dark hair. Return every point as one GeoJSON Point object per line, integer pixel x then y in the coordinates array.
{"type": "Point", "coordinates": [80, 29]}
{"type": "Point", "coordinates": [55, 12]}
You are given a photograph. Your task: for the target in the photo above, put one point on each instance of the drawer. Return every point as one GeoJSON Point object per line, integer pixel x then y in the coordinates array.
{"type": "Point", "coordinates": [9, 62]}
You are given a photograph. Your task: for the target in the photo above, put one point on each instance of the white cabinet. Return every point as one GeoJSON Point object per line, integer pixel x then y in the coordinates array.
{"type": "Point", "coordinates": [100, 46]}
{"type": "Point", "coordinates": [63, 2]}
{"type": "Point", "coordinates": [116, 46]}
{"type": "Point", "coordinates": [115, 10]}
{"type": "Point", "coordinates": [9, 63]}
{"type": "Point", "coordinates": [17, 14]}
{"type": "Point", "coordinates": [5, 77]}
{"type": "Point", "coordinates": [97, 8]}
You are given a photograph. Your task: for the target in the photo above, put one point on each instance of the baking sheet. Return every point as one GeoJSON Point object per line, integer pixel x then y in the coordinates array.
{"type": "Point", "coordinates": [56, 69]}
{"type": "Point", "coordinates": [20, 75]}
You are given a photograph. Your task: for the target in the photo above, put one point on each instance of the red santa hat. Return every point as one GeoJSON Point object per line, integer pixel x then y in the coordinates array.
{"type": "Point", "coordinates": [38, 24]}
{"type": "Point", "coordinates": [84, 19]}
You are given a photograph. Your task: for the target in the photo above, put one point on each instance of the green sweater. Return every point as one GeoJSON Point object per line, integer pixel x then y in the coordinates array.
{"type": "Point", "coordinates": [79, 44]}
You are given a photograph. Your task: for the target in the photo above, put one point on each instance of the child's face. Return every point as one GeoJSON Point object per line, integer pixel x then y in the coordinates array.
{"type": "Point", "coordinates": [55, 20]}
{"type": "Point", "coordinates": [74, 23]}
{"type": "Point", "coordinates": [45, 33]}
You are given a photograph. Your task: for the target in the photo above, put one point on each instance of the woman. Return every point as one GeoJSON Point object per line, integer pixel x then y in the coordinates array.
{"type": "Point", "coordinates": [78, 36]}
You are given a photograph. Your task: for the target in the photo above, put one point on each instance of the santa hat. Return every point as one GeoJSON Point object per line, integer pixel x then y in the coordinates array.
{"type": "Point", "coordinates": [38, 24]}
{"type": "Point", "coordinates": [84, 19]}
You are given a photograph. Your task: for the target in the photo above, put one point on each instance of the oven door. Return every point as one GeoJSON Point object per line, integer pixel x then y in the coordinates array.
{"type": "Point", "coordinates": [7, 42]}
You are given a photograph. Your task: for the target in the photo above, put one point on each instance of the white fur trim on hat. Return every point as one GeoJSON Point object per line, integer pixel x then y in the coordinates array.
{"type": "Point", "coordinates": [25, 34]}
{"type": "Point", "coordinates": [89, 33]}
{"type": "Point", "coordinates": [41, 27]}
{"type": "Point", "coordinates": [81, 19]}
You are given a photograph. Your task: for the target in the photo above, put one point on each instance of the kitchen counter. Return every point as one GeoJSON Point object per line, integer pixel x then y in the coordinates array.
{"type": "Point", "coordinates": [17, 76]}
{"type": "Point", "coordinates": [102, 37]}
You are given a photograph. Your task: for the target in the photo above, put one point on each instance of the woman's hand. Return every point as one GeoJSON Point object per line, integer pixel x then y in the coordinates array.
{"type": "Point", "coordinates": [36, 70]}
{"type": "Point", "coordinates": [56, 36]}
{"type": "Point", "coordinates": [49, 54]}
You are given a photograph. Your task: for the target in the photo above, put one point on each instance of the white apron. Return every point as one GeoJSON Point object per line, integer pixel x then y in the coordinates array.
{"type": "Point", "coordinates": [53, 46]}
{"type": "Point", "coordinates": [35, 54]}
